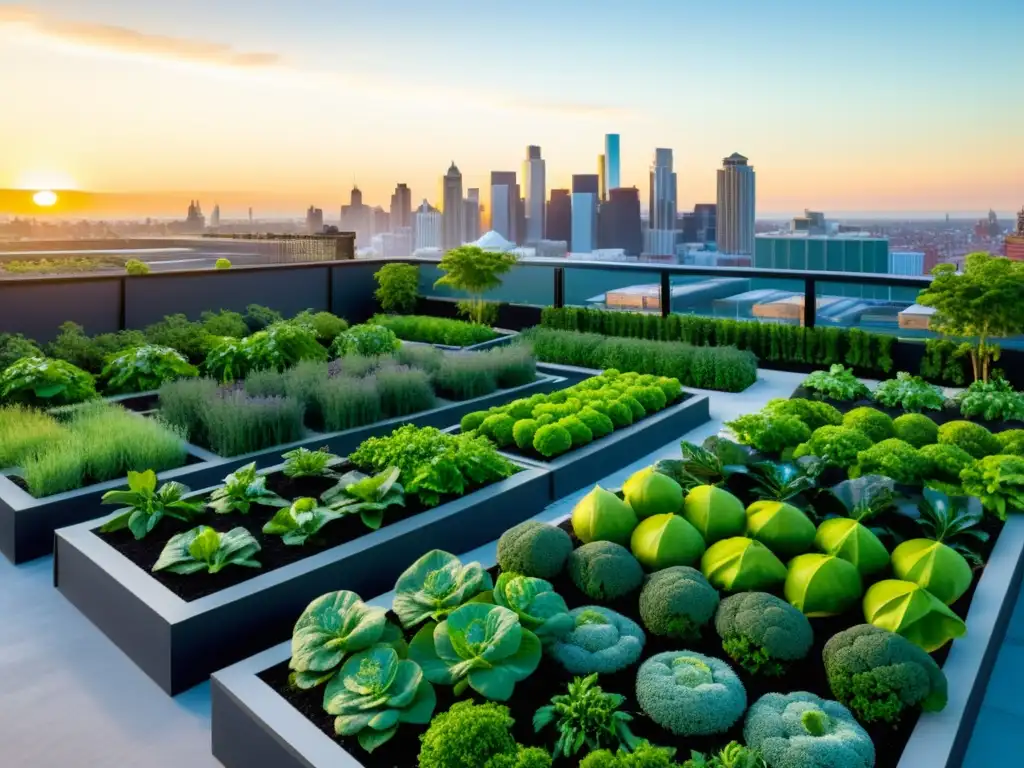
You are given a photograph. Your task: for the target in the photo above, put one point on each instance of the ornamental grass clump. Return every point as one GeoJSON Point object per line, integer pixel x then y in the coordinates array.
{"type": "Point", "coordinates": [690, 694]}
{"type": "Point", "coordinates": [881, 676]}
{"type": "Point", "coordinates": [235, 423]}
{"type": "Point", "coordinates": [600, 641]}
{"type": "Point", "coordinates": [403, 391]}
{"type": "Point", "coordinates": [534, 549]}
{"type": "Point", "coordinates": [762, 633]}
{"type": "Point", "coordinates": [25, 431]}
{"type": "Point", "coordinates": [677, 603]}
{"type": "Point", "coordinates": [183, 404]}
{"type": "Point", "coordinates": [345, 403]}
{"type": "Point", "coordinates": [464, 376]}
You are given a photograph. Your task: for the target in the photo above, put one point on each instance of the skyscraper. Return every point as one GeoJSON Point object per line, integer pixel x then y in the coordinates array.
{"type": "Point", "coordinates": [505, 204]}
{"type": "Point", "coordinates": [454, 210]}
{"type": "Point", "coordinates": [559, 226]}
{"type": "Point", "coordinates": [663, 215]}
{"type": "Point", "coordinates": [602, 179]}
{"type": "Point", "coordinates": [736, 196]}
{"type": "Point", "coordinates": [215, 216]}
{"type": "Point", "coordinates": [357, 217]}
{"type": "Point", "coordinates": [612, 161]}
{"type": "Point", "coordinates": [584, 212]}
{"type": "Point", "coordinates": [619, 222]}
{"type": "Point", "coordinates": [535, 181]}
{"type": "Point", "coordinates": [314, 221]}
{"type": "Point", "coordinates": [471, 217]}
{"type": "Point", "coordinates": [401, 207]}
{"type": "Point", "coordinates": [428, 227]}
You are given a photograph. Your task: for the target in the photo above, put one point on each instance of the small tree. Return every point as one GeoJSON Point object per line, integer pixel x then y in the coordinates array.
{"type": "Point", "coordinates": [475, 271]}
{"type": "Point", "coordinates": [983, 302]}
{"type": "Point", "coordinates": [399, 287]}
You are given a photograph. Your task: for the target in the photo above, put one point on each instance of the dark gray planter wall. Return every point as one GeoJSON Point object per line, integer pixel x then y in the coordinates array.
{"type": "Point", "coordinates": [37, 308]}
{"type": "Point", "coordinates": [352, 292]}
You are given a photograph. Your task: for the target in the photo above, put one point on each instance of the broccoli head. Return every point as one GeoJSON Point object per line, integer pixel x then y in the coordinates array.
{"type": "Point", "coordinates": [603, 641]}
{"type": "Point", "coordinates": [603, 570]}
{"type": "Point", "coordinates": [534, 549]}
{"type": "Point", "coordinates": [799, 730]}
{"type": "Point", "coordinates": [473, 420]}
{"type": "Point", "coordinates": [467, 736]}
{"type": "Point", "coordinates": [677, 602]}
{"type": "Point", "coordinates": [880, 675]}
{"type": "Point", "coordinates": [689, 694]}
{"type": "Point", "coordinates": [971, 437]}
{"type": "Point", "coordinates": [762, 632]}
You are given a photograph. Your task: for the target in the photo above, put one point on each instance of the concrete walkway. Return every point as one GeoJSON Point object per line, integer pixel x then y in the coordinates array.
{"type": "Point", "coordinates": [70, 699]}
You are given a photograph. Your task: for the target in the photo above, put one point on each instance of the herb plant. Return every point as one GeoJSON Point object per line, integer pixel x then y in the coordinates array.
{"type": "Point", "coordinates": [992, 400]}
{"type": "Point", "coordinates": [203, 548]}
{"type": "Point", "coordinates": [369, 497]}
{"type": "Point", "coordinates": [141, 369]}
{"type": "Point", "coordinates": [911, 393]}
{"type": "Point", "coordinates": [45, 382]}
{"type": "Point", "coordinates": [243, 488]}
{"type": "Point", "coordinates": [435, 330]}
{"type": "Point", "coordinates": [146, 506]}
{"type": "Point", "coordinates": [586, 716]}
{"type": "Point", "coordinates": [178, 332]}
{"type": "Point", "coordinates": [303, 462]}
{"type": "Point", "coordinates": [224, 323]}
{"type": "Point", "coordinates": [398, 287]}
{"type": "Point", "coordinates": [366, 340]}
{"type": "Point", "coordinates": [837, 383]}
{"type": "Point", "coordinates": [25, 432]}
{"type": "Point", "coordinates": [298, 523]}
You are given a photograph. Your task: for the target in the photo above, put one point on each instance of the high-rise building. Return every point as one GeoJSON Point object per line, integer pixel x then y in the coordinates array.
{"type": "Point", "coordinates": [505, 204]}
{"type": "Point", "coordinates": [535, 183]}
{"type": "Point", "coordinates": [619, 222]}
{"type": "Point", "coordinates": [811, 223]}
{"type": "Point", "coordinates": [357, 217]}
{"type": "Point", "coordinates": [471, 216]}
{"type": "Point", "coordinates": [699, 226]}
{"type": "Point", "coordinates": [736, 195]}
{"type": "Point", "coordinates": [612, 161]}
{"type": "Point", "coordinates": [840, 253]}
{"type": "Point", "coordinates": [194, 220]}
{"type": "Point", "coordinates": [428, 227]}
{"type": "Point", "coordinates": [314, 220]}
{"type": "Point", "coordinates": [454, 210]}
{"type": "Point", "coordinates": [584, 212]}
{"type": "Point", "coordinates": [663, 213]}
{"type": "Point", "coordinates": [602, 179]}
{"type": "Point", "coordinates": [1014, 246]}
{"type": "Point", "coordinates": [380, 221]}
{"type": "Point", "coordinates": [559, 227]}
{"type": "Point", "coordinates": [215, 216]}
{"type": "Point", "coordinates": [401, 207]}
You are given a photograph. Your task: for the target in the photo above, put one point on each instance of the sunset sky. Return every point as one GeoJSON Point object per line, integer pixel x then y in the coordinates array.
{"type": "Point", "coordinates": [841, 105]}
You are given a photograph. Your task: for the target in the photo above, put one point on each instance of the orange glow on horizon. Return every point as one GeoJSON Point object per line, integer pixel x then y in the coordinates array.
{"type": "Point", "coordinates": [45, 198]}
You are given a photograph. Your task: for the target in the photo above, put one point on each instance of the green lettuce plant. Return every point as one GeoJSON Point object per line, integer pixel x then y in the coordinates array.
{"type": "Point", "coordinates": [1012, 441]}
{"type": "Point", "coordinates": [44, 382]}
{"type": "Point", "coordinates": [814, 413]}
{"type": "Point", "coordinates": [586, 716]}
{"type": "Point", "coordinates": [662, 541]}
{"type": "Point", "coordinates": [870, 421]}
{"type": "Point", "coordinates": [140, 369]}
{"type": "Point", "coordinates": [303, 462]}
{"type": "Point", "coordinates": [893, 458]}
{"type": "Point", "coordinates": [331, 628]}
{"type": "Point", "coordinates": [848, 537]}
{"type": "Point", "coordinates": [203, 548]}
{"type": "Point", "coordinates": [714, 512]}
{"type": "Point", "coordinates": [374, 692]}
{"type": "Point", "coordinates": [998, 481]}
{"type": "Point", "coordinates": [916, 429]}
{"type": "Point", "coordinates": [762, 633]}
{"type": "Point", "coordinates": [468, 735]}
{"type": "Point", "coordinates": [769, 433]}
{"type": "Point", "coordinates": [369, 497]}
{"type": "Point", "coordinates": [243, 488]}
{"type": "Point", "coordinates": [479, 646]}
{"type": "Point", "coordinates": [993, 400]}
{"type": "Point", "coordinates": [299, 522]}
{"type": "Point", "coordinates": [912, 611]}
{"type": "Point", "coordinates": [822, 585]}
{"type": "Point", "coordinates": [145, 506]}
{"type": "Point", "coordinates": [836, 446]}
{"type": "Point", "coordinates": [689, 694]}
{"type": "Point", "coordinates": [603, 516]}
{"type": "Point", "coordinates": [739, 564]}
{"type": "Point", "coordinates": [971, 437]}
{"type": "Point", "coordinates": [911, 393]}
{"type": "Point", "coordinates": [837, 383]}
{"type": "Point", "coordinates": [945, 463]}
{"type": "Point", "coordinates": [435, 585]}
{"type": "Point", "coordinates": [540, 609]}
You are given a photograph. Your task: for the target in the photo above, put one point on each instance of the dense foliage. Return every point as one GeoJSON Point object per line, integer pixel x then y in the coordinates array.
{"type": "Point", "coordinates": [911, 393]}
{"type": "Point", "coordinates": [475, 271]}
{"type": "Point", "coordinates": [141, 369]}
{"type": "Point", "coordinates": [837, 383]}
{"type": "Point", "coordinates": [366, 340]}
{"type": "Point", "coordinates": [398, 287]}
{"type": "Point", "coordinates": [435, 330]}
{"type": "Point", "coordinates": [992, 400]}
{"type": "Point", "coordinates": [41, 381]}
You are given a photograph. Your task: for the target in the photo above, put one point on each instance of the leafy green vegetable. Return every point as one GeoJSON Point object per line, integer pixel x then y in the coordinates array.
{"type": "Point", "coordinates": [241, 489]}
{"type": "Point", "coordinates": [712, 463]}
{"type": "Point", "coordinates": [356, 493]}
{"type": "Point", "coordinates": [141, 369]}
{"type": "Point", "coordinates": [837, 383]}
{"type": "Point", "coordinates": [998, 481]}
{"type": "Point", "coordinates": [303, 462]}
{"type": "Point", "coordinates": [769, 433]}
{"type": "Point", "coordinates": [300, 521]}
{"type": "Point", "coordinates": [586, 716]}
{"type": "Point", "coordinates": [911, 393]}
{"type": "Point", "coordinates": [204, 548]}
{"type": "Point", "coordinates": [365, 340]}
{"type": "Point", "coordinates": [480, 646]}
{"type": "Point", "coordinates": [41, 381]}
{"type": "Point", "coordinates": [146, 506]}
{"type": "Point", "coordinates": [993, 400]}
{"type": "Point", "coordinates": [953, 521]}
{"type": "Point", "coordinates": [540, 609]}
{"type": "Point", "coordinates": [435, 585]}
{"type": "Point", "coordinates": [836, 446]}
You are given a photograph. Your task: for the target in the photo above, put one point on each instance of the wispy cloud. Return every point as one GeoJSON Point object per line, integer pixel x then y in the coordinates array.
{"type": "Point", "coordinates": [115, 39]}
{"type": "Point", "coordinates": [107, 39]}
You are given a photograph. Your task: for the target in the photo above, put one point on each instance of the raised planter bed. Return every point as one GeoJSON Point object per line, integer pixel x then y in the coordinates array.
{"type": "Point", "coordinates": [255, 726]}
{"type": "Point", "coordinates": [504, 338]}
{"type": "Point", "coordinates": [178, 641]}
{"type": "Point", "coordinates": [27, 523]}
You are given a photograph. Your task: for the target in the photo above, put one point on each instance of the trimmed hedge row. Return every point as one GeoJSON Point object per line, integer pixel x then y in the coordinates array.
{"type": "Point", "coordinates": [868, 352]}
{"type": "Point", "coordinates": [726, 369]}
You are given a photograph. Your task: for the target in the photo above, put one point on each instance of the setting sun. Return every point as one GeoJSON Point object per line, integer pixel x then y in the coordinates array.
{"type": "Point", "coordinates": [44, 198]}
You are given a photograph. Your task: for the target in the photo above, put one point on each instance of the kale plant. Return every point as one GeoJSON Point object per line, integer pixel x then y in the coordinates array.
{"type": "Point", "coordinates": [911, 393]}
{"type": "Point", "coordinates": [586, 716]}
{"type": "Point", "coordinates": [203, 548]}
{"type": "Point", "coordinates": [356, 493]}
{"type": "Point", "coordinates": [837, 383]}
{"type": "Point", "coordinates": [992, 400]}
{"type": "Point", "coordinates": [145, 506]}
{"type": "Point", "coordinates": [241, 489]}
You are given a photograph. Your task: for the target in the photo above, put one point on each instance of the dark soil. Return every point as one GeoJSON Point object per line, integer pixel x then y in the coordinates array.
{"type": "Point", "coordinates": [273, 552]}
{"type": "Point", "coordinates": [551, 679]}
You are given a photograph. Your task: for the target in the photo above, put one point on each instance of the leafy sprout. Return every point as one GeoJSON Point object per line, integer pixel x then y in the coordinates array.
{"type": "Point", "coordinates": [301, 521]}
{"type": "Point", "coordinates": [586, 716]}
{"type": "Point", "coordinates": [953, 521]}
{"type": "Point", "coordinates": [303, 462]}
{"type": "Point", "coordinates": [145, 506]}
{"type": "Point", "coordinates": [203, 548]}
{"type": "Point", "coordinates": [367, 496]}
{"type": "Point", "coordinates": [241, 489]}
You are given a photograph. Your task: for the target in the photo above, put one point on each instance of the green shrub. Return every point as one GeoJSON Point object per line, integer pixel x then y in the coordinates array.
{"type": "Point", "coordinates": [689, 694]}
{"type": "Point", "coordinates": [325, 325]}
{"type": "Point", "coordinates": [24, 432]}
{"type": "Point", "coordinates": [814, 413]}
{"type": "Point", "coordinates": [90, 354]}
{"type": "Point", "coordinates": [552, 440]}
{"type": "Point", "coordinates": [14, 346]}
{"type": "Point", "coordinates": [603, 570]}
{"type": "Point", "coordinates": [145, 368]}
{"type": "Point", "coordinates": [762, 633]}
{"type": "Point", "coordinates": [578, 431]}
{"type": "Point", "coordinates": [916, 429]}
{"type": "Point", "coordinates": [769, 433]}
{"type": "Point", "coordinates": [464, 376]}
{"type": "Point", "coordinates": [278, 347]}
{"type": "Point", "coordinates": [971, 437]}
{"type": "Point", "coordinates": [911, 393]}
{"type": "Point", "coordinates": [259, 318]}
{"type": "Point", "coordinates": [876, 425]}
{"type": "Point", "coordinates": [677, 603]}
{"type": "Point", "coordinates": [45, 382]}
{"type": "Point", "coordinates": [523, 433]}
{"type": "Point", "coordinates": [651, 398]}
{"type": "Point", "coordinates": [634, 406]}
{"type": "Point", "coordinates": [1012, 441]}
{"type": "Point", "coordinates": [945, 462]}
{"type": "Point", "coordinates": [722, 368]}
{"type": "Point", "coordinates": [178, 332]}
{"type": "Point", "coordinates": [598, 424]}
{"type": "Point", "coordinates": [837, 383]}
{"type": "Point", "coordinates": [993, 400]}
{"type": "Point", "coordinates": [435, 330]}
{"type": "Point", "coordinates": [534, 549]}
{"type": "Point", "coordinates": [224, 323]}
{"type": "Point", "coordinates": [403, 390]}
{"type": "Point", "coordinates": [365, 340]}
{"type": "Point", "coordinates": [893, 458]}
{"type": "Point", "coordinates": [467, 736]}
{"type": "Point", "coordinates": [222, 263]}
{"type": "Point", "coordinates": [136, 267]}
{"type": "Point", "coordinates": [499, 428]}
{"type": "Point", "coordinates": [472, 421]}
{"type": "Point", "coordinates": [398, 287]}
{"type": "Point", "coordinates": [998, 481]}
{"type": "Point", "coordinates": [837, 446]}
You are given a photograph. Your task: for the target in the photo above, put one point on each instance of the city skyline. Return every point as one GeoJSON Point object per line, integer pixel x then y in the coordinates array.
{"type": "Point", "coordinates": [183, 102]}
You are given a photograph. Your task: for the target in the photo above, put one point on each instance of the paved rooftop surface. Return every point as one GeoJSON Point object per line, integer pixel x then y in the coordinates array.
{"type": "Point", "coordinates": [70, 699]}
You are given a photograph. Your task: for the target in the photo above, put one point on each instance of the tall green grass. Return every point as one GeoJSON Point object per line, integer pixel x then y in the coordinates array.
{"type": "Point", "coordinates": [403, 390]}
{"type": "Point", "coordinates": [236, 423]}
{"type": "Point", "coordinates": [465, 375]}
{"type": "Point", "coordinates": [513, 365]}
{"type": "Point", "coordinates": [24, 432]}
{"type": "Point", "coordinates": [183, 403]}
{"type": "Point", "coordinates": [347, 403]}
